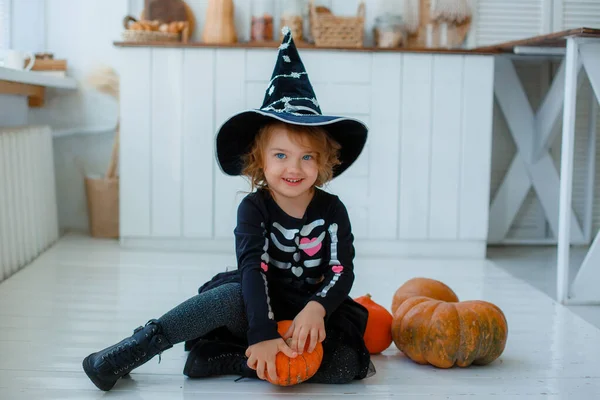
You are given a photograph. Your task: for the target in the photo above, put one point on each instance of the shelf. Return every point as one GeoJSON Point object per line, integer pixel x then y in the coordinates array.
{"type": "Point", "coordinates": [31, 84]}
{"type": "Point", "coordinates": [300, 45]}
{"type": "Point", "coordinates": [549, 40]}
{"type": "Point", "coordinates": [37, 78]}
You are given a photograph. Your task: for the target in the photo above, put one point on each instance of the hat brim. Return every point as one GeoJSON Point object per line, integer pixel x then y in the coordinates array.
{"type": "Point", "coordinates": [236, 135]}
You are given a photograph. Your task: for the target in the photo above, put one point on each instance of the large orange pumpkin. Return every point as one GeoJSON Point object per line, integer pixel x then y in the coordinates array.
{"type": "Point", "coordinates": [292, 371]}
{"type": "Point", "coordinates": [444, 333]}
{"type": "Point", "coordinates": [378, 334]}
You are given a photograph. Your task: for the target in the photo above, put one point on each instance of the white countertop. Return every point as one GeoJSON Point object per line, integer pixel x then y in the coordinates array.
{"type": "Point", "coordinates": [37, 78]}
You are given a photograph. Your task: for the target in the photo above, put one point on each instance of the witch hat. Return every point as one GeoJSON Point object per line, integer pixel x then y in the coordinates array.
{"type": "Point", "coordinates": [290, 98]}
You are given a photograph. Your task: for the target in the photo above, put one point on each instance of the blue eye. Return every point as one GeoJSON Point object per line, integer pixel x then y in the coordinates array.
{"type": "Point", "coordinates": [281, 156]}
{"type": "Point", "coordinates": [307, 157]}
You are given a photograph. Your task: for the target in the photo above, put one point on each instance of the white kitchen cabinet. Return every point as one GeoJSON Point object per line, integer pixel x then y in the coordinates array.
{"type": "Point", "coordinates": [421, 186]}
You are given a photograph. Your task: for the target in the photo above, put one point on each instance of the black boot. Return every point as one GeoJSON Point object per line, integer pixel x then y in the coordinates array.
{"type": "Point", "coordinates": [105, 367]}
{"type": "Point", "coordinates": [211, 357]}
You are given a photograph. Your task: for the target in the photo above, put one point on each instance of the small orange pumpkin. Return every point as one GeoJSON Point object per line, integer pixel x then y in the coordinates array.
{"type": "Point", "coordinates": [378, 334]}
{"type": "Point", "coordinates": [292, 371]}
{"type": "Point", "coordinates": [444, 333]}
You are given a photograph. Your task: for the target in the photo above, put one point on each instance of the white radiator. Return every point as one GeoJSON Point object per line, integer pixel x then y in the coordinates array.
{"type": "Point", "coordinates": [28, 211]}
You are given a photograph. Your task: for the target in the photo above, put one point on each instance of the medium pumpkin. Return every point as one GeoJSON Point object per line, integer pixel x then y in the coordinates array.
{"type": "Point", "coordinates": [292, 371]}
{"type": "Point", "coordinates": [378, 334]}
{"type": "Point", "coordinates": [445, 333]}
{"type": "Point", "coordinates": [423, 287]}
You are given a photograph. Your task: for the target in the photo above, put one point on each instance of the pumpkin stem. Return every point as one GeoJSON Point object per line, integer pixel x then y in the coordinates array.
{"type": "Point", "coordinates": [368, 295]}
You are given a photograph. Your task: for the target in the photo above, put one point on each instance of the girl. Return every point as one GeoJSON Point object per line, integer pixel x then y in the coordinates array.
{"type": "Point", "coordinates": [294, 248]}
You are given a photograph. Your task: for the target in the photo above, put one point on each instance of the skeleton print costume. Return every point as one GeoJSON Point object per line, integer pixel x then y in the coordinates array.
{"type": "Point", "coordinates": [285, 262]}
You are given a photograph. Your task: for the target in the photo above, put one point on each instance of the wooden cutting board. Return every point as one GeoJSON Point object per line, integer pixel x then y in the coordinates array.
{"type": "Point", "coordinates": [169, 11]}
{"type": "Point", "coordinates": [165, 10]}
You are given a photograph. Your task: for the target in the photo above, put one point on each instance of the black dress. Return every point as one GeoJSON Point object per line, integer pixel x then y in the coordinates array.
{"type": "Point", "coordinates": [285, 262]}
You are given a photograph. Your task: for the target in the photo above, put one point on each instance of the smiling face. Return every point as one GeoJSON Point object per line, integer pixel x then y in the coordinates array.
{"type": "Point", "coordinates": [290, 165]}
{"type": "Point", "coordinates": [286, 157]}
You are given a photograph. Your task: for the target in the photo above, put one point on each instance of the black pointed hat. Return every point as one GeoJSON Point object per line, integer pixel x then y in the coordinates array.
{"type": "Point", "coordinates": [290, 98]}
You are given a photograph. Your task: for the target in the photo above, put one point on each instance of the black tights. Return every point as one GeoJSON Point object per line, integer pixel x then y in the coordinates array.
{"type": "Point", "coordinates": [223, 306]}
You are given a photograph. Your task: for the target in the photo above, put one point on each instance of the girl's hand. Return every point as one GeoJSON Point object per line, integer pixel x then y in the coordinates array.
{"type": "Point", "coordinates": [309, 322]}
{"type": "Point", "coordinates": [262, 356]}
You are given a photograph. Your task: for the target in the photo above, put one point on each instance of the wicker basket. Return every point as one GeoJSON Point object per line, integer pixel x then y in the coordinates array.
{"type": "Point", "coordinates": [103, 206]}
{"type": "Point", "coordinates": [130, 35]}
{"type": "Point", "coordinates": [294, 22]}
{"type": "Point", "coordinates": [329, 30]}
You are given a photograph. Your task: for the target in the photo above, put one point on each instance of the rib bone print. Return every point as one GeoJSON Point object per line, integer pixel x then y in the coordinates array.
{"type": "Point", "coordinates": [310, 246]}
{"type": "Point", "coordinates": [265, 254]}
{"type": "Point", "coordinates": [277, 243]}
{"type": "Point", "coordinates": [289, 234]}
{"type": "Point", "coordinates": [271, 315]}
{"type": "Point", "coordinates": [307, 229]}
{"type": "Point", "coordinates": [312, 263]}
{"type": "Point", "coordinates": [280, 264]}
{"type": "Point", "coordinates": [265, 267]}
{"type": "Point", "coordinates": [296, 241]}
{"type": "Point", "coordinates": [336, 267]}
{"type": "Point", "coordinates": [333, 234]}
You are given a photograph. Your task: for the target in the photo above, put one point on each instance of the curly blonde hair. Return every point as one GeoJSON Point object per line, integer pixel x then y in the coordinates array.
{"type": "Point", "coordinates": [315, 137]}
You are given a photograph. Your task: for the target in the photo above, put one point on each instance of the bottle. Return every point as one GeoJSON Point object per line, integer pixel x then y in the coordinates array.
{"type": "Point", "coordinates": [261, 27]}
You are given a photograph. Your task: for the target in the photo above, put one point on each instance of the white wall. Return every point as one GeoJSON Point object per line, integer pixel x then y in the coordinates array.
{"type": "Point", "coordinates": [83, 32]}
{"type": "Point", "coordinates": [83, 121]}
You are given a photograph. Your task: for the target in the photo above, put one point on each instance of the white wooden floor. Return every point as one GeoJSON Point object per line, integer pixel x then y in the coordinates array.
{"type": "Point", "coordinates": [536, 265]}
{"type": "Point", "coordinates": [84, 294]}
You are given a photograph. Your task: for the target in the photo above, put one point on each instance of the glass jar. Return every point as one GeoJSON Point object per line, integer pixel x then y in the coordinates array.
{"type": "Point", "coordinates": [437, 35]}
{"type": "Point", "coordinates": [389, 31]}
{"type": "Point", "coordinates": [291, 16]}
{"type": "Point", "coordinates": [261, 27]}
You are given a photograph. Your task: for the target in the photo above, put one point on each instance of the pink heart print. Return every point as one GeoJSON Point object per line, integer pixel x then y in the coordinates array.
{"type": "Point", "coordinates": [337, 269]}
{"type": "Point", "coordinates": [264, 266]}
{"type": "Point", "coordinates": [313, 250]}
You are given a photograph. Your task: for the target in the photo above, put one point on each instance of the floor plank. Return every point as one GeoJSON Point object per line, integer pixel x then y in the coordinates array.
{"type": "Point", "coordinates": [84, 294]}
{"type": "Point", "coordinates": [536, 265]}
